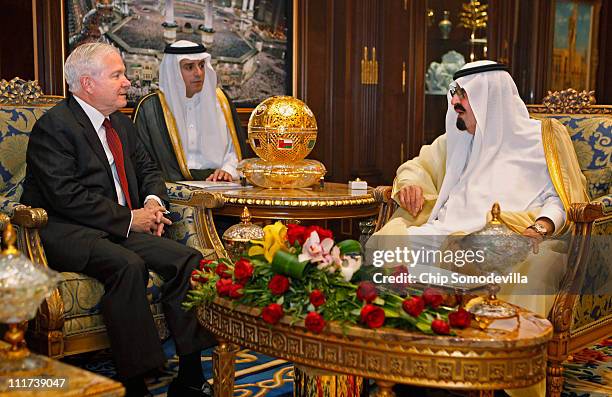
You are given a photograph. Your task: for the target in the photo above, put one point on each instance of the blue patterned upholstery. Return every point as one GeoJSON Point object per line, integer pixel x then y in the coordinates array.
{"type": "Point", "coordinates": [15, 127]}
{"type": "Point", "coordinates": [592, 138]}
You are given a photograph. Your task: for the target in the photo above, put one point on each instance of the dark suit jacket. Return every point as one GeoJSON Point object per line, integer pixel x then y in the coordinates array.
{"type": "Point", "coordinates": [68, 175]}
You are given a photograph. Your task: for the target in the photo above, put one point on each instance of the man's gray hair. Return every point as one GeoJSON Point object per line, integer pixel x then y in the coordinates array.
{"type": "Point", "coordinates": [85, 60]}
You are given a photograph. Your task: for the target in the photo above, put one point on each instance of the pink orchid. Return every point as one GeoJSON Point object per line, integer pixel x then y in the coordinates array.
{"type": "Point", "coordinates": [331, 261]}
{"type": "Point", "coordinates": [314, 249]}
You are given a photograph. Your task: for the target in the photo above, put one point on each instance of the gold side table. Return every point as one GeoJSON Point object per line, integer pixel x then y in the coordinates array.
{"type": "Point", "coordinates": [510, 354]}
{"type": "Point", "coordinates": [76, 382]}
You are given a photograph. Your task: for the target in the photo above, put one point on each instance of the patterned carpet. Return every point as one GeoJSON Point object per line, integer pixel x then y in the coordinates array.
{"type": "Point", "coordinates": [587, 374]}
{"type": "Point", "coordinates": [256, 374]}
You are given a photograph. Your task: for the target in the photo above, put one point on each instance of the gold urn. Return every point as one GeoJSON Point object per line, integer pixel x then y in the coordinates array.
{"type": "Point", "coordinates": [282, 132]}
{"type": "Point", "coordinates": [237, 237]}
{"type": "Point", "coordinates": [503, 250]}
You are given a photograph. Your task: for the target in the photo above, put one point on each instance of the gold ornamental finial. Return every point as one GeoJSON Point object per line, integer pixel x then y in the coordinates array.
{"type": "Point", "coordinates": [9, 237]}
{"type": "Point", "coordinates": [245, 217]}
{"type": "Point", "coordinates": [496, 213]}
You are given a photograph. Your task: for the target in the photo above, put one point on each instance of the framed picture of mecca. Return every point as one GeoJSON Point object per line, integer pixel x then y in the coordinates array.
{"type": "Point", "coordinates": [251, 42]}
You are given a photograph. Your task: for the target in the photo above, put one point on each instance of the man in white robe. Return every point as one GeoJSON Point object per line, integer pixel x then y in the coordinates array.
{"type": "Point", "coordinates": [491, 152]}
{"type": "Point", "coordinates": [184, 126]}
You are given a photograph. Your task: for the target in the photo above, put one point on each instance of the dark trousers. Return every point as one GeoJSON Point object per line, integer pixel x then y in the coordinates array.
{"type": "Point", "coordinates": [122, 266]}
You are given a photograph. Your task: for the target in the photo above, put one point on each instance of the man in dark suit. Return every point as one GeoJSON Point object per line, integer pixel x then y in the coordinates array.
{"type": "Point", "coordinates": [105, 199]}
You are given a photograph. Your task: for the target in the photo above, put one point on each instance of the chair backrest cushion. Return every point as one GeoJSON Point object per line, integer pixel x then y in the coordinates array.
{"type": "Point", "coordinates": [592, 138]}
{"type": "Point", "coordinates": [16, 123]}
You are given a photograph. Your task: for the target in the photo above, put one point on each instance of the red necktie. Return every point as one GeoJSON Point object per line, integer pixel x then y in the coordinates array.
{"type": "Point", "coordinates": [114, 144]}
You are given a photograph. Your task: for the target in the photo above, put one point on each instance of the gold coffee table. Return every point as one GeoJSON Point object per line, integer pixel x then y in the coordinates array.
{"type": "Point", "coordinates": [511, 354]}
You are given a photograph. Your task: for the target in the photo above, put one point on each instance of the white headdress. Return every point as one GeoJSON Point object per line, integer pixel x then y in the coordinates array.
{"type": "Point", "coordinates": [213, 138]}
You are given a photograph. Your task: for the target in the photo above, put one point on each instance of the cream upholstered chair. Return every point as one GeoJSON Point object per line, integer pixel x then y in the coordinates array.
{"type": "Point", "coordinates": [582, 311]}
{"type": "Point", "coordinates": [69, 321]}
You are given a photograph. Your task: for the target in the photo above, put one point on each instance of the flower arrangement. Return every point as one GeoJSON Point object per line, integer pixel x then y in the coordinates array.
{"type": "Point", "coordinates": [301, 272]}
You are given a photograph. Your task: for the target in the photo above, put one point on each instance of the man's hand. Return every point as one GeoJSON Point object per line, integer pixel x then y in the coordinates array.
{"type": "Point", "coordinates": [411, 199]}
{"type": "Point", "coordinates": [150, 219]}
{"type": "Point", "coordinates": [537, 238]}
{"type": "Point", "coordinates": [220, 175]}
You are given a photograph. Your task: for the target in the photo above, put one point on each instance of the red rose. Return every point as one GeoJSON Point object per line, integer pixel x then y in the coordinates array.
{"type": "Point", "coordinates": [223, 286]}
{"type": "Point", "coordinates": [314, 322]}
{"type": "Point", "coordinates": [204, 264]}
{"type": "Point", "coordinates": [317, 298]}
{"type": "Point", "coordinates": [433, 297]}
{"type": "Point", "coordinates": [440, 327]}
{"type": "Point", "coordinates": [278, 284]}
{"type": "Point", "coordinates": [372, 316]}
{"type": "Point", "coordinates": [197, 277]}
{"type": "Point", "coordinates": [236, 290]}
{"type": "Point", "coordinates": [296, 233]}
{"type": "Point", "coordinates": [460, 319]}
{"type": "Point", "coordinates": [222, 271]}
{"type": "Point", "coordinates": [401, 278]}
{"type": "Point", "coordinates": [323, 233]}
{"type": "Point", "coordinates": [366, 292]}
{"type": "Point", "coordinates": [413, 306]}
{"type": "Point", "coordinates": [272, 313]}
{"type": "Point", "coordinates": [243, 269]}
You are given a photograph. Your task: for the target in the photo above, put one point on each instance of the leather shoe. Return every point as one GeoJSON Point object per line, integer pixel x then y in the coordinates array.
{"type": "Point", "coordinates": [177, 389]}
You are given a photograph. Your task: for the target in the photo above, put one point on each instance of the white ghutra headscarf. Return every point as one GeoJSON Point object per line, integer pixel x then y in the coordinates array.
{"type": "Point", "coordinates": [503, 162]}
{"type": "Point", "coordinates": [213, 147]}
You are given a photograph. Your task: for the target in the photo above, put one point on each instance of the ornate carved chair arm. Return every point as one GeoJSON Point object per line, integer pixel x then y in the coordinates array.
{"type": "Point", "coordinates": [195, 226]}
{"type": "Point", "coordinates": [192, 196]}
{"type": "Point", "coordinates": [382, 195]}
{"type": "Point", "coordinates": [33, 218]}
{"type": "Point", "coordinates": [4, 220]}
{"type": "Point", "coordinates": [585, 212]}
{"type": "Point", "coordinates": [606, 202]}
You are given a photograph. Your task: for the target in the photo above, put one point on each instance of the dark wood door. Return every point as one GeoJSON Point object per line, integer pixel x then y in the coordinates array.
{"type": "Point", "coordinates": [363, 78]}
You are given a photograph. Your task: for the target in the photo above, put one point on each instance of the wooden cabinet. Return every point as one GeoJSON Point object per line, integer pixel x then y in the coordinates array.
{"type": "Point", "coordinates": [362, 75]}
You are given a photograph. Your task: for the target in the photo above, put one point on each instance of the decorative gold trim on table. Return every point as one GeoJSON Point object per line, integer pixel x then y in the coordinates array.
{"type": "Point", "coordinates": [456, 364]}
{"type": "Point", "coordinates": [298, 203]}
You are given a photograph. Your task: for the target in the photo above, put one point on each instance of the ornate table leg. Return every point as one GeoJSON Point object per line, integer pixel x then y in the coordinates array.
{"type": "Point", "coordinates": [312, 382]}
{"type": "Point", "coordinates": [366, 227]}
{"type": "Point", "coordinates": [385, 388]}
{"type": "Point", "coordinates": [554, 378]}
{"type": "Point", "coordinates": [223, 368]}
{"type": "Point", "coordinates": [481, 393]}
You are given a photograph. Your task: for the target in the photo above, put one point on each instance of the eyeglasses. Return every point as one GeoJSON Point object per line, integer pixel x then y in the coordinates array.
{"type": "Point", "coordinates": [454, 88]}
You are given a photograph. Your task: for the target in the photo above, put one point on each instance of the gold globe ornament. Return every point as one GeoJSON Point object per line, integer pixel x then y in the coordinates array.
{"type": "Point", "coordinates": [282, 132]}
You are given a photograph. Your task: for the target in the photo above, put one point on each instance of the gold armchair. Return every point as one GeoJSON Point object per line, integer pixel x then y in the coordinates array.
{"type": "Point", "coordinates": [580, 314]}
